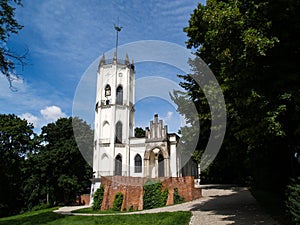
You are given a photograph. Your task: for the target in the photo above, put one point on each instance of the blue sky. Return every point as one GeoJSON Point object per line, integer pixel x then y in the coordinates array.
{"type": "Point", "coordinates": [65, 37]}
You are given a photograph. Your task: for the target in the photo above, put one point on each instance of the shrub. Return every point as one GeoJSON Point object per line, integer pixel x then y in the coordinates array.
{"type": "Point", "coordinates": [293, 201]}
{"type": "Point", "coordinates": [177, 198]}
{"type": "Point", "coordinates": [97, 199]}
{"type": "Point", "coordinates": [153, 197]}
{"type": "Point", "coordinates": [41, 206]}
{"type": "Point", "coordinates": [118, 201]}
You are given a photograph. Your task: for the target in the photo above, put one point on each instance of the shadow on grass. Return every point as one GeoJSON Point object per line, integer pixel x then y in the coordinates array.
{"type": "Point", "coordinates": [178, 218]}
{"type": "Point", "coordinates": [236, 208]}
{"type": "Point", "coordinates": [37, 219]}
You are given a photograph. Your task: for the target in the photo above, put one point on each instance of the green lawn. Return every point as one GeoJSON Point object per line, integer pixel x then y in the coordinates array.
{"type": "Point", "coordinates": [48, 217]}
{"type": "Point", "coordinates": [91, 211]}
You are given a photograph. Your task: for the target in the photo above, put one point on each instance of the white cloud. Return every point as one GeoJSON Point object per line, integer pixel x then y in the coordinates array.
{"type": "Point", "coordinates": [168, 117]}
{"type": "Point", "coordinates": [31, 119]}
{"type": "Point", "coordinates": [52, 113]}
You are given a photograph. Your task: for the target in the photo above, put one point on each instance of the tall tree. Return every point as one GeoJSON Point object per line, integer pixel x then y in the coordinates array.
{"type": "Point", "coordinates": [9, 26]}
{"type": "Point", "coordinates": [60, 171]}
{"type": "Point", "coordinates": [252, 49]}
{"type": "Point", "coordinates": [16, 142]}
{"type": "Point", "coordinates": [139, 132]}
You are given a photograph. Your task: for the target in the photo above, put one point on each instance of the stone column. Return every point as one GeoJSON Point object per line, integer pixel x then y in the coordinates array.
{"type": "Point", "coordinates": [146, 168]}
{"type": "Point", "coordinates": [156, 166]}
{"type": "Point", "coordinates": [167, 167]}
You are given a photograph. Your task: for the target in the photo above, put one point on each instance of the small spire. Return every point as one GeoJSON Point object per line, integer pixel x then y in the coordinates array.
{"type": "Point", "coordinates": [102, 61]}
{"type": "Point", "coordinates": [126, 59]}
{"type": "Point", "coordinates": [132, 64]}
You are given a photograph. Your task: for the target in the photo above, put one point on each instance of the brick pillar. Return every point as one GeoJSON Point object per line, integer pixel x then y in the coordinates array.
{"type": "Point", "coordinates": [170, 200]}
{"type": "Point", "coordinates": [105, 201]}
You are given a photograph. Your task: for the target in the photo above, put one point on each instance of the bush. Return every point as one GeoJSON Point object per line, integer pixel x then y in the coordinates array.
{"type": "Point", "coordinates": [97, 199]}
{"type": "Point", "coordinates": [153, 197]}
{"type": "Point", "coordinates": [41, 206]}
{"type": "Point", "coordinates": [118, 201]}
{"type": "Point", "coordinates": [293, 201]}
{"type": "Point", "coordinates": [177, 198]}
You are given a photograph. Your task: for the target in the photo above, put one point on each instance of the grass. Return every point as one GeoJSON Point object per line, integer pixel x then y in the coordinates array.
{"type": "Point", "coordinates": [48, 217]}
{"type": "Point", "coordinates": [91, 211]}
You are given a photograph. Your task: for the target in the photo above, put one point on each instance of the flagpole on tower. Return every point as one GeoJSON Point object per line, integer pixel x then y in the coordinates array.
{"type": "Point", "coordinates": [118, 29]}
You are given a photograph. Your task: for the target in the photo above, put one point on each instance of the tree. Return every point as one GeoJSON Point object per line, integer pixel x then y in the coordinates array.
{"type": "Point", "coordinates": [139, 132]}
{"type": "Point", "coordinates": [252, 49]}
{"type": "Point", "coordinates": [60, 172]}
{"type": "Point", "coordinates": [9, 26]}
{"type": "Point", "coordinates": [16, 142]}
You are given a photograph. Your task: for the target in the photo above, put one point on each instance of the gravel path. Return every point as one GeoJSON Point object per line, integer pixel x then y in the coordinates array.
{"type": "Point", "coordinates": [220, 205]}
{"type": "Point", "coordinates": [228, 205]}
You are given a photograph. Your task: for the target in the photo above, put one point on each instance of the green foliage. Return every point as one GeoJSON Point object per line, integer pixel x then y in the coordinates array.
{"type": "Point", "coordinates": [37, 170]}
{"type": "Point", "coordinates": [9, 26]}
{"type": "Point", "coordinates": [40, 207]}
{"type": "Point", "coordinates": [139, 132]}
{"type": "Point", "coordinates": [252, 53]}
{"type": "Point", "coordinates": [177, 198]}
{"type": "Point", "coordinates": [293, 201]}
{"type": "Point", "coordinates": [131, 209]}
{"type": "Point", "coordinates": [17, 141]}
{"type": "Point", "coordinates": [164, 197]}
{"type": "Point", "coordinates": [59, 173]}
{"type": "Point", "coordinates": [118, 201]}
{"type": "Point", "coordinates": [98, 197]}
{"type": "Point", "coordinates": [153, 196]}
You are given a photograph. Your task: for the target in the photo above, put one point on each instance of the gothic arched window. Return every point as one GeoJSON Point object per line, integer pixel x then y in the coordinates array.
{"type": "Point", "coordinates": [107, 91]}
{"type": "Point", "coordinates": [137, 164]}
{"type": "Point", "coordinates": [118, 132]}
{"type": "Point", "coordinates": [119, 99]}
{"type": "Point", "coordinates": [118, 165]}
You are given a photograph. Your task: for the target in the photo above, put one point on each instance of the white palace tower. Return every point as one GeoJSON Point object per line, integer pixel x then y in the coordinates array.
{"type": "Point", "coordinates": [116, 151]}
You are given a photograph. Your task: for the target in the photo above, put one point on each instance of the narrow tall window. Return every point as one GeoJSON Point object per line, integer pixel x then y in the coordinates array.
{"type": "Point", "coordinates": [119, 100]}
{"type": "Point", "coordinates": [118, 165]}
{"type": "Point", "coordinates": [118, 138]}
{"type": "Point", "coordinates": [107, 91]}
{"type": "Point", "coordinates": [137, 164]}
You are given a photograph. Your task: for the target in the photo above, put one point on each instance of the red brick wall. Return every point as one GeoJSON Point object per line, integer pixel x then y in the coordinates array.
{"type": "Point", "coordinates": [83, 200]}
{"type": "Point", "coordinates": [132, 190]}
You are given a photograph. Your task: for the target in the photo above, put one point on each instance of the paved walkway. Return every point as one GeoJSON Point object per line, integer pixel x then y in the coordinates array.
{"type": "Point", "coordinates": [220, 205]}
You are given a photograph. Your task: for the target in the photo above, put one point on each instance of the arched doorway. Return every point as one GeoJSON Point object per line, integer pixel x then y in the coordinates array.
{"type": "Point", "coordinates": [161, 166]}
{"type": "Point", "coordinates": [118, 165]}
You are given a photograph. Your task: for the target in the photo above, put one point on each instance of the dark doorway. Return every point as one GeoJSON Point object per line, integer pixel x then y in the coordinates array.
{"type": "Point", "coordinates": [118, 165]}
{"type": "Point", "coordinates": [161, 166]}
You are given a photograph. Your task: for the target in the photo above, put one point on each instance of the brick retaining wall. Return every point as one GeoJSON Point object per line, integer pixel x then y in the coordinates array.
{"type": "Point", "coordinates": [132, 190]}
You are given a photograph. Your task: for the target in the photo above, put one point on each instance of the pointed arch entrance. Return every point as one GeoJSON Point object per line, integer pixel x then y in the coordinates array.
{"type": "Point", "coordinates": [156, 163]}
